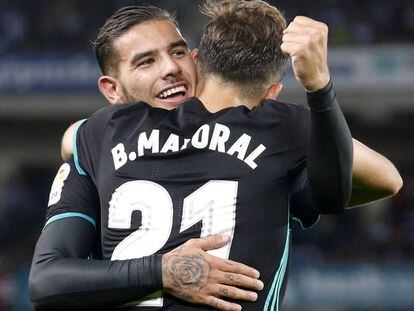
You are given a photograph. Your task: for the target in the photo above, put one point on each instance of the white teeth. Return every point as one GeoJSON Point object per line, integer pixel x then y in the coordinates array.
{"type": "Point", "coordinates": [171, 91]}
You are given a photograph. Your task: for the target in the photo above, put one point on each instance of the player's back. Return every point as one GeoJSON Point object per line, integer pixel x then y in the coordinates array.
{"type": "Point", "coordinates": [168, 176]}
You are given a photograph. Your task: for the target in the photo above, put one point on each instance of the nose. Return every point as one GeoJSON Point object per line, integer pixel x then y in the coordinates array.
{"type": "Point", "coordinates": [170, 67]}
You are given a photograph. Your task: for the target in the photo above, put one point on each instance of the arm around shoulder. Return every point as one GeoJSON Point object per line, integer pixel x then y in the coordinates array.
{"type": "Point", "coordinates": [62, 278]}
{"type": "Point", "coordinates": [374, 176]}
{"type": "Point", "coordinates": [66, 147]}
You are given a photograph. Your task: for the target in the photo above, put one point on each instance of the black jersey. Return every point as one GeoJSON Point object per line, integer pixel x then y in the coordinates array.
{"type": "Point", "coordinates": [237, 171]}
{"type": "Point", "coordinates": [164, 177]}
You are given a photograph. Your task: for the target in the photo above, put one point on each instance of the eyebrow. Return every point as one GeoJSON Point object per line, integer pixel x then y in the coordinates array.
{"type": "Point", "coordinates": [181, 43]}
{"type": "Point", "coordinates": [137, 57]}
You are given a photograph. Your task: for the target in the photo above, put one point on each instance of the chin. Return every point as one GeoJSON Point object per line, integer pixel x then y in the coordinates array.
{"type": "Point", "coordinates": [169, 105]}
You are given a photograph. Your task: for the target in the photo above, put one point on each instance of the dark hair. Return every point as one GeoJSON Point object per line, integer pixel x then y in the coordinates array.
{"type": "Point", "coordinates": [117, 24]}
{"type": "Point", "coordinates": [241, 44]}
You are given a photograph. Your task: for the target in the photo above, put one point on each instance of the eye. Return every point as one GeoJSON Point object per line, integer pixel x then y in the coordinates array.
{"type": "Point", "coordinates": [146, 62]}
{"type": "Point", "coordinates": [178, 53]}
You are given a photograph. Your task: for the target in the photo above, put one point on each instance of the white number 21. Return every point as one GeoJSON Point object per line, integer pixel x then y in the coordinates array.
{"type": "Point", "coordinates": [214, 204]}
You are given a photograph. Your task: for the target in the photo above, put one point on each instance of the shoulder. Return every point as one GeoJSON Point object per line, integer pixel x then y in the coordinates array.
{"type": "Point", "coordinates": [293, 119]}
{"type": "Point", "coordinates": [285, 113]}
{"type": "Point", "coordinates": [283, 108]}
{"type": "Point", "coordinates": [99, 121]}
{"type": "Point", "coordinates": [108, 112]}
{"type": "Point", "coordinates": [66, 147]}
{"type": "Point", "coordinates": [124, 112]}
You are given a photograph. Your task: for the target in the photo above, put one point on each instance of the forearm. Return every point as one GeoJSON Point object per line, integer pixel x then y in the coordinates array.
{"type": "Point", "coordinates": [330, 152]}
{"type": "Point", "coordinates": [79, 284]}
{"type": "Point", "coordinates": [61, 278]}
{"type": "Point", "coordinates": [374, 176]}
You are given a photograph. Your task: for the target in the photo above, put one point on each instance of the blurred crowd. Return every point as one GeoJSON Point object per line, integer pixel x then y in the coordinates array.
{"type": "Point", "coordinates": [23, 199]}
{"type": "Point", "coordinates": [378, 233]}
{"type": "Point", "coordinates": [70, 25]}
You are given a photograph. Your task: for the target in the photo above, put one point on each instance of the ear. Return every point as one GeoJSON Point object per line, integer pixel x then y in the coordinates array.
{"type": "Point", "coordinates": [273, 90]}
{"type": "Point", "coordinates": [109, 88]}
{"type": "Point", "coordinates": [194, 55]}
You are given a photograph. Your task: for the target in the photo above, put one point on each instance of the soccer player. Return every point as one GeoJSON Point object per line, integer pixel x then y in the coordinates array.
{"type": "Point", "coordinates": [60, 278]}
{"type": "Point", "coordinates": [248, 159]}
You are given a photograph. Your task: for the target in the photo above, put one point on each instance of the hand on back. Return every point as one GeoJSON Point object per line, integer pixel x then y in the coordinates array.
{"type": "Point", "coordinates": [193, 275]}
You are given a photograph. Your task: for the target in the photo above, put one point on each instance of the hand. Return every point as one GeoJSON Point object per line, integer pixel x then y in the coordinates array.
{"type": "Point", "coordinates": [306, 42]}
{"type": "Point", "coordinates": [191, 274]}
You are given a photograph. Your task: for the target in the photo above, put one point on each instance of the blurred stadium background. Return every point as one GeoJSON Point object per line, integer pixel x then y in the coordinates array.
{"type": "Point", "coordinates": [362, 260]}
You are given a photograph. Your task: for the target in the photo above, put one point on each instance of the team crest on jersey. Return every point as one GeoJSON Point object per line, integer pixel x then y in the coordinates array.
{"type": "Point", "coordinates": [58, 182]}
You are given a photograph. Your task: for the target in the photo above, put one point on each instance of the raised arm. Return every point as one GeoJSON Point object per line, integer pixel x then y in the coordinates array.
{"type": "Point", "coordinates": [373, 177]}
{"type": "Point", "coordinates": [329, 159]}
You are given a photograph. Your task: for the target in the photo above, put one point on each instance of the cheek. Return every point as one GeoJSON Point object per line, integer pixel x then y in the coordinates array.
{"type": "Point", "coordinates": [140, 84]}
{"type": "Point", "coordinates": [189, 68]}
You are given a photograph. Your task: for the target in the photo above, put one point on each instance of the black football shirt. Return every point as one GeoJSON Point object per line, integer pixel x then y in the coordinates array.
{"type": "Point", "coordinates": [164, 177]}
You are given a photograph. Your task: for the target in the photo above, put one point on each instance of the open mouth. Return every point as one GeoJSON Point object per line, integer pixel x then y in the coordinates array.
{"type": "Point", "coordinates": [173, 93]}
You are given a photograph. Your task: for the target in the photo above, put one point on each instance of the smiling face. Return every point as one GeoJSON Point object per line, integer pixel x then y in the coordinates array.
{"type": "Point", "coordinates": [154, 65]}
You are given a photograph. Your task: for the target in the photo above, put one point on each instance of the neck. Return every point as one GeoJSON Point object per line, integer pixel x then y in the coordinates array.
{"type": "Point", "coordinates": [217, 95]}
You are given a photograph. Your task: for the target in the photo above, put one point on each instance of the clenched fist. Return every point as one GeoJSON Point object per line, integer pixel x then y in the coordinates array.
{"type": "Point", "coordinates": [306, 42]}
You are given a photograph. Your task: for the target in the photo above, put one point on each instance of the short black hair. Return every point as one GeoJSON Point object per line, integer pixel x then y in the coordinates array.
{"type": "Point", "coordinates": [117, 24]}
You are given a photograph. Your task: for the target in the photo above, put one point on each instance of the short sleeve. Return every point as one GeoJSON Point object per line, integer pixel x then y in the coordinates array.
{"type": "Point", "coordinates": [72, 195]}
